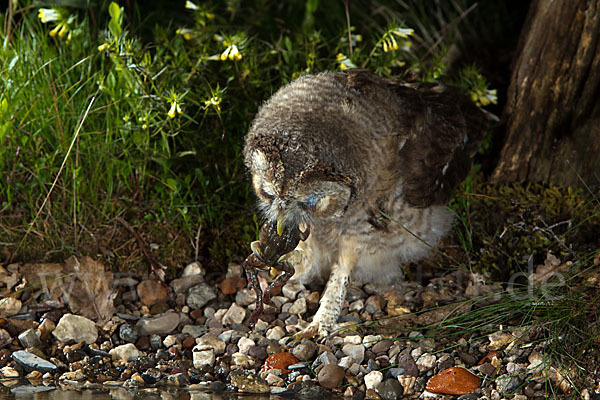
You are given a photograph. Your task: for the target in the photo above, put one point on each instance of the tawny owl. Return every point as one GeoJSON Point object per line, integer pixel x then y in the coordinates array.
{"type": "Point", "coordinates": [369, 165]}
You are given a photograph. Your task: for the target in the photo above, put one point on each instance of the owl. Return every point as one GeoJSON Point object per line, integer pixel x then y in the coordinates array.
{"type": "Point", "coordinates": [365, 164]}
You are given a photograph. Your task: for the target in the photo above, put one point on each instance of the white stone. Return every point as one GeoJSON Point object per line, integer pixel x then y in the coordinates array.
{"type": "Point", "coordinates": [425, 362]}
{"type": "Point", "coordinates": [261, 325]}
{"type": "Point", "coordinates": [244, 344]}
{"type": "Point", "coordinates": [127, 352]}
{"type": "Point", "coordinates": [194, 268]}
{"type": "Point", "coordinates": [356, 351]}
{"type": "Point", "coordinates": [219, 314]}
{"type": "Point", "coordinates": [369, 340]}
{"type": "Point", "coordinates": [75, 328]}
{"type": "Point", "coordinates": [298, 307]}
{"type": "Point", "coordinates": [357, 306]}
{"type": "Point", "coordinates": [245, 297]}
{"type": "Point", "coordinates": [169, 341]}
{"type": "Point", "coordinates": [345, 362]}
{"type": "Point", "coordinates": [291, 289]}
{"type": "Point", "coordinates": [275, 333]}
{"type": "Point", "coordinates": [226, 336]}
{"type": "Point", "coordinates": [204, 358]}
{"type": "Point", "coordinates": [274, 380]}
{"type": "Point", "coordinates": [373, 379]}
{"type": "Point", "coordinates": [352, 339]}
{"type": "Point", "coordinates": [9, 372]}
{"type": "Point", "coordinates": [242, 360]}
{"type": "Point", "coordinates": [234, 315]}
{"type": "Point", "coordinates": [73, 375]}
{"type": "Point", "coordinates": [210, 341]}
{"type": "Point", "coordinates": [10, 306]}
{"type": "Point", "coordinates": [234, 271]}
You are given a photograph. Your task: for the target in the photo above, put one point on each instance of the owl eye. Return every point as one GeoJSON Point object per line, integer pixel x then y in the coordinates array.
{"type": "Point", "coordinates": [311, 201]}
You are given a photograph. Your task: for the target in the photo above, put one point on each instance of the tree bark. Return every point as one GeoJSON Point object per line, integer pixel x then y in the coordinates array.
{"type": "Point", "coordinates": [552, 112]}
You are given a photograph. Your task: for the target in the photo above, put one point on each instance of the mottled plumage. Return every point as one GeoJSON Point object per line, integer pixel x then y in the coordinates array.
{"type": "Point", "coordinates": [369, 164]}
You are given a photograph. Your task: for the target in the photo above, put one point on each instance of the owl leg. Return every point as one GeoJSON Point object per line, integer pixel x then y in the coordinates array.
{"type": "Point", "coordinates": [333, 298]}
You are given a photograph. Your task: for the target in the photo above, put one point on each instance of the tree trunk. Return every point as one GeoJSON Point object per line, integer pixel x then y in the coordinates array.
{"type": "Point", "coordinates": [552, 112]}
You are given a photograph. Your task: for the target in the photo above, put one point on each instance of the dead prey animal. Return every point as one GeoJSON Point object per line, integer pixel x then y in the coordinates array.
{"type": "Point", "coordinates": [268, 252]}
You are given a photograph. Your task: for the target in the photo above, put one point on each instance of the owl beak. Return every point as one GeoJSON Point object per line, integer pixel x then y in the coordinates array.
{"type": "Point", "coordinates": [280, 224]}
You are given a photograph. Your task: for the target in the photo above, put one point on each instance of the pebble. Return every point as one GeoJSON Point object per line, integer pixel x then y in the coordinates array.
{"type": "Point", "coordinates": [245, 297]}
{"type": "Point", "coordinates": [180, 285]}
{"type": "Point", "coordinates": [279, 361]}
{"type": "Point", "coordinates": [194, 330]}
{"type": "Point", "coordinates": [298, 307]}
{"type": "Point", "coordinates": [29, 338]}
{"type": "Point", "coordinates": [244, 344]}
{"type": "Point", "coordinates": [9, 372]}
{"type": "Point", "coordinates": [500, 339]}
{"type": "Point", "coordinates": [152, 292]}
{"type": "Point", "coordinates": [291, 289]}
{"type": "Point", "coordinates": [407, 382]}
{"type": "Point", "coordinates": [426, 361]}
{"type": "Point", "coordinates": [275, 333]}
{"type": "Point", "coordinates": [331, 376]}
{"type": "Point", "coordinates": [305, 350]}
{"type": "Point", "coordinates": [127, 352]}
{"type": "Point", "coordinates": [356, 351]}
{"type": "Point", "coordinates": [5, 338]}
{"type": "Point", "coordinates": [203, 358]}
{"type": "Point", "coordinates": [10, 306]}
{"type": "Point", "coordinates": [389, 389]}
{"type": "Point", "coordinates": [454, 380]}
{"type": "Point", "coordinates": [247, 382]}
{"type": "Point", "coordinates": [211, 341]}
{"type": "Point", "coordinates": [381, 346]}
{"type": "Point", "coordinates": [129, 333]}
{"type": "Point", "coordinates": [234, 315]}
{"type": "Point", "coordinates": [242, 360]}
{"type": "Point", "coordinates": [158, 324]}
{"type": "Point", "coordinates": [30, 362]}
{"type": "Point", "coordinates": [373, 379]}
{"type": "Point", "coordinates": [199, 295]}
{"type": "Point", "coordinates": [352, 339]}
{"type": "Point", "coordinates": [75, 328]}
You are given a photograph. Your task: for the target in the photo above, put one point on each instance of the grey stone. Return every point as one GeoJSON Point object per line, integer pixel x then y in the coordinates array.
{"type": "Point", "coordinates": [245, 297]}
{"type": "Point", "coordinates": [331, 376]}
{"type": "Point", "coordinates": [389, 389]}
{"type": "Point", "coordinates": [194, 330]}
{"type": "Point", "coordinates": [180, 285]}
{"type": "Point", "coordinates": [129, 333]}
{"type": "Point", "coordinates": [30, 362]}
{"type": "Point", "coordinates": [234, 315]}
{"type": "Point", "coordinates": [75, 328]}
{"type": "Point", "coordinates": [199, 295]}
{"type": "Point", "coordinates": [356, 351]}
{"type": "Point", "coordinates": [159, 324]}
{"type": "Point", "coordinates": [29, 338]}
{"type": "Point", "coordinates": [194, 268]}
{"type": "Point", "coordinates": [305, 350]}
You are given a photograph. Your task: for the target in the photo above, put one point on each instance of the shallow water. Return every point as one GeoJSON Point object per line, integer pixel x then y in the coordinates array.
{"type": "Point", "coordinates": [26, 391]}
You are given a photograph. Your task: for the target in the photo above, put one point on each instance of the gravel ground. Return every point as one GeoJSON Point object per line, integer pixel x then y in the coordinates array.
{"type": "Point", "coordinates": [191, 336]}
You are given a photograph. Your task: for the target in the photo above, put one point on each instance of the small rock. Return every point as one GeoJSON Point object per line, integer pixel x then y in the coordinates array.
{"type": "Point", "coordinates": [374, 304]}
{"type": "Point", "coordinates": [395, 303]}
{"type": "Point", "coordinates": [10, 306]}
{"type": "Point", "coordinates": [5, 338]}
{"type": "Point", "coordinates": [151, 375]}
{"type": "Point", "coordinates": [382, 346]}
{"type": "Point", "coordinates": [487, 369]}
{"type": "Point", "coordinates": [275, 333]}
{"type": "Point", "coordinates": [371, 394]}
{"type": "Point", "coordinates": [170, 340]}
{"type": "Point", "coordinates": [454, 380]}
{"type": "Point", "coordinates": [426, 361]}
{"type": "Point", "coordinates": [307, 390]}
{"type": "Point", "coordinates": [242, 360]}
{"type": "Point", "coordinates": [244, 344]}
{"type": "Point", "coordinates": [500, 339]}
{"type": "Point", "coordinates": [77, 375]}
{"type": "Point", "coordinates": [352, 339]}
{"type": "Point", "coordinates": [234, 315]}
{"type": "Point", "coordinates": [331, 376]}
{"type": "Point", "coordinates": [232, 285]}
{"type": "Point", "coordinates": [179, 379]}
{"type": "Point", "coordinates": [152, 292]}
{"type": "Point", "coordinates": [158, 324]}
{"type": "Point", "coordinates": [194, 330]}
{"type": "Point", "coordinates": [279, 361]}
{"type": "Point", "coordinates": [75, 328]}
{"type": "Point", "coordinates": [407, 382]}
{"type": "Point", "coordinates": [346, 362]}
{"type": "Point", "coordinates": [507, 383]}
{"type": "Point", "coordinates": [211, 341]}
{"type": "Point", "coordinates": [9, 372]}
{"type": "Point", "coordinates": [291, 289]}
{"type": "Point", "coordinates": [245, 297]}
{"type": "Point", "coordinates": [30, 362]}
{"type": "Point", "coordinates": [247, 382]}
{"type": "Point", "coordinates": [305, 350]}
{"type": "Point", "coordinates": [204, 358]}
{"type": "Point", "coordinates": [29, 338]}
{"type": "Point", "coordinates": [356, 351]}
{"type": "Point", "coordinates": [180, 285]}
{"type": "Point", "coordinates": [373, 379]}
{"type": "Point", "coordinates": [371, 340]}
{"type": "Point", "coordinates": [127, 352]}
{"type": "Point", "coordinates": [234, 271]}
{"type": "Point", "coordinates": [389, 389]}
{"type": "Point", "coordinates": [298, 307]}
{"type": "Point", "coordinates": [194, 268]}
{"type": "Point", "coordinates": [258, 352]}
{"type": "Point", "coordinates": [199, 295]}
{"type": "Point", "coordinates": [129, 333]}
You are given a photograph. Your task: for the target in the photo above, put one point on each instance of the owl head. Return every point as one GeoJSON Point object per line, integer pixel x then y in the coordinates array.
{"type": "Point", "coordinates": [293, 189]}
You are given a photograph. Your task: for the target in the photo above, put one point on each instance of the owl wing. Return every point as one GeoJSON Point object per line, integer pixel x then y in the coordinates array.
{"type": "Point", "coordinates": [445, 130]}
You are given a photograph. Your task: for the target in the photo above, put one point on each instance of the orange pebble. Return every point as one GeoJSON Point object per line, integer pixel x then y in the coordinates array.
{"type": "Point", "coordinates": [454, 380]}
{"type": "Point", "coordinates": [279, 361]}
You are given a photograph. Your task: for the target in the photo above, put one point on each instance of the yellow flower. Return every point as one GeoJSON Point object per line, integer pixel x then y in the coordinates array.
{"type": "Point", "coordinates": [48, 14]}
{"type": "Point", "coordinates": [190, 5]}
{"type": "Point", "coordinates": [185, 32]}
{"type": "Point", "coordinates": [403, 32]}
{"type": "Point", "coordinates": [345, 62]}
{"type": "Point", "coordinates": [174, 108]}
{"type": "Point", "coordinates": [232, 52]}
{"type": "Point", "coordinates": [103, 46]}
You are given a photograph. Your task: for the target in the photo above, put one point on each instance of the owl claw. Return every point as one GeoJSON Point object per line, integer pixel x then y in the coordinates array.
{"type": "Point", "coordinates": [315, 329]}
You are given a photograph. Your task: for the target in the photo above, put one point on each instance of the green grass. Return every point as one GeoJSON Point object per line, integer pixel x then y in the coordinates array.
{"type": "Point", "coordinates": [169, 103]}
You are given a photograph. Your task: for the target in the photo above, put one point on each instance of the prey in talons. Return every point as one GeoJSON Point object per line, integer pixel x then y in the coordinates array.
{"type": "Point", "coordinates": [267, 252]}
